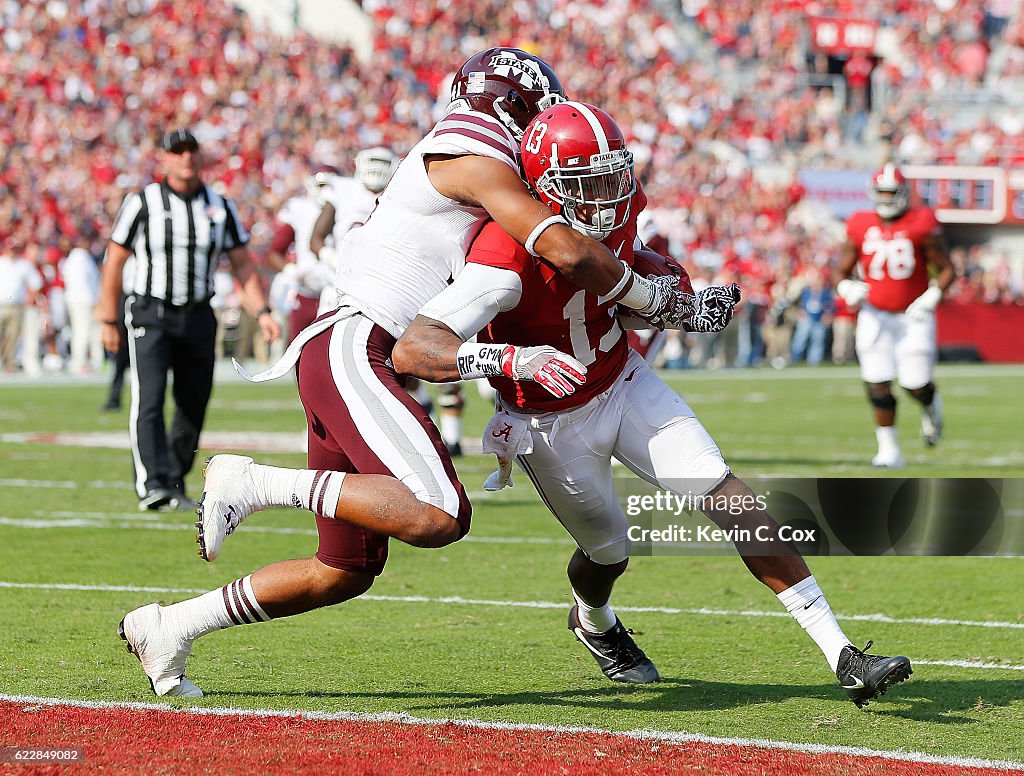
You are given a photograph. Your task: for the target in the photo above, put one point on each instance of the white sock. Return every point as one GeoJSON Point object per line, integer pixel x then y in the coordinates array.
{"type": "Point", "coordinates": [233, 604]}
{"type": "Point", "coordinates": [886, 438]}
{"type": "Point", "coordinates": [317, 490]}
{"type": "Point", "coordinates": [599, 619]}
{"type": "Point", "coordinates": [807, 604]}
{"type": "Point", "coordinates": [451, 428]}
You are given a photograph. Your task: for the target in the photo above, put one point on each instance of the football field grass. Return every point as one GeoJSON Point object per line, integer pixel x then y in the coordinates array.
{"type": "Point", "coordinates": [477, 630]}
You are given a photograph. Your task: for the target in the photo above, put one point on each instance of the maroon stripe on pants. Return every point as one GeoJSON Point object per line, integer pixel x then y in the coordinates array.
{"type": "Point", "coordinates": [336, 445]}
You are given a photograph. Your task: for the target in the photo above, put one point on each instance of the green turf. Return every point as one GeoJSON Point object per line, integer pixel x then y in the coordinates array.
{"type": "Point", "coordinates": [68, 516]}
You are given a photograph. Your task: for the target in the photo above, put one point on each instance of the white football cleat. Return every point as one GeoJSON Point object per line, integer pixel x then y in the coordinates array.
{"type": "Point", "coordinates": [931, 422]}
{"type": "Point", "coordinates": [890, 459]}
{"type": "Point", "coordinates": [161, 652]}
{"type": "Point", "coordinates": [229, 497]}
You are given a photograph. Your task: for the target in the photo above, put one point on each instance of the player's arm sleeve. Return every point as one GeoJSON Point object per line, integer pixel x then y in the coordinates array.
{"type": "Point", "coordinates": [468, 132]}
{"type": "Point", "coordinates": [479, 293]}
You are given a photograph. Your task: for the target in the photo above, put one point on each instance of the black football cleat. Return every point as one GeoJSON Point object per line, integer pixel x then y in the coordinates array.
{"type": "Point", "coordinates": [616, 653]}
{"type": "Point", "coordinates": [865, 677]}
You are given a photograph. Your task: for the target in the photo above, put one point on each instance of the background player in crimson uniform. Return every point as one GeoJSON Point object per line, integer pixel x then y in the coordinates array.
{"type": "Point", "coordinates": [575, 159]}
{"type": "Point", "coordinates": [893, 247]}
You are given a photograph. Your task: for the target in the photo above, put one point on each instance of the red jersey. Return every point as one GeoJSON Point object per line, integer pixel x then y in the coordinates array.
{"type": "Point", "coordinates": [892, 257]}
{"type": "Point", "coordinates": [554, 311]}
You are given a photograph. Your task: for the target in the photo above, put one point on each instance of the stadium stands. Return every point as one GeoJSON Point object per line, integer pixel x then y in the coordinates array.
{"type": "Point", "coordinates": [721, 104]}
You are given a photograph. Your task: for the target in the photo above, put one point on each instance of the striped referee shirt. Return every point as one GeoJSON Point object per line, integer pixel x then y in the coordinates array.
{"type": "Point", "coordinates": [177, 240]}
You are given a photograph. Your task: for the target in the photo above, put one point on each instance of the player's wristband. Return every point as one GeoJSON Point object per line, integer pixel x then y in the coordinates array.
{"type": "Point", "coordinates": [538, 230]}
{"type": "Point", "coordinates": [641, 295]}
{"type": "Point", "coordinates": [475, 360]}
{"type": "Point", "coordinates": [625, 280]}
{"type": "Point", "coordinates": [264, 311]}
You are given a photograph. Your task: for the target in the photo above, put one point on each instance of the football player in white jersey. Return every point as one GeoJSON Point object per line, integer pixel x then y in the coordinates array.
{"type": "Point", "coordinates": [575, 158]}
{"type": "Point", "coordinates": [311, 276]}
{"type": "Point", "coordinates": [378, 466]}
{"type": "Point", "coordinates": [348, 202]}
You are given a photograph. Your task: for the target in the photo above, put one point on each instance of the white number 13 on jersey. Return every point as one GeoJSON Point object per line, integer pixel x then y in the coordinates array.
{"type": "Point", "coordinates": [575, 313]}
{"type": "Point", "coordinates": [896, 256]}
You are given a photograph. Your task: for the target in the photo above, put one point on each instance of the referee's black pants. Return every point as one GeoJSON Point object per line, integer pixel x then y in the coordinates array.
{"type": "Point", "coordinates": [162, 338]}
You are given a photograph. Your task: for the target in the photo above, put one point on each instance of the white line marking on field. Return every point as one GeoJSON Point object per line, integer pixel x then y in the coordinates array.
{"type": "Point", "coordinates": [968, 664]}
{"type": "Point", "coordinates": [458, 600]}
{"type": "Point", "coordinates": [149, 522]}
{"type": "Point", "coordinates": [638, 735]}
{"type": "Point", "coordinates": [65, 484]}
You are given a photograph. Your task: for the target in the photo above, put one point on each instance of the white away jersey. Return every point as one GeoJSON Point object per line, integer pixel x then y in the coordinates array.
{"type": "Point", "coordinates": [415, 241]}
{"type": "Point", "coordinates": [352, 202]}
{"type": "Point", "coordinates": [300, 213]}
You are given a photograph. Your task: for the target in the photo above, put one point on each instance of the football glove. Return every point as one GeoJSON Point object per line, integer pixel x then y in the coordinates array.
{"type": "Point", "coordinates": [923, 308]}
{"type": "Point", "coordinates": [670, 306]}
{"type": "Point", "coordinates": [713, 308]}
{"type": "Point", "coordinates": [556, 372]}
{"type": "Point", "coordinates": [328, 256]}
{"type": "Point", "coordinates": [853, 292]}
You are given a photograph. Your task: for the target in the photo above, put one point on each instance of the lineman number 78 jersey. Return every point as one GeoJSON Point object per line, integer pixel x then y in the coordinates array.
{"type": "Point", "coordinates": [891, 255]}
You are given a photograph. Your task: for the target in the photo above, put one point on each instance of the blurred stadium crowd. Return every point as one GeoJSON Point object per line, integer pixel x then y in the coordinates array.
{"type": "Point", "coordinates": [710, 96]}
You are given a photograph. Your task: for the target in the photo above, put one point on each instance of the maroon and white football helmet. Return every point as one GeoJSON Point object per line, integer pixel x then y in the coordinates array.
{"type": "Point", "coordinates": [576, 161]}
{"type": "Point", "coordinates": [508, 84]}
{"type": "Point", "coordinates": [890, 192]}
{"type": "Point", "coordinates": [319, 179]}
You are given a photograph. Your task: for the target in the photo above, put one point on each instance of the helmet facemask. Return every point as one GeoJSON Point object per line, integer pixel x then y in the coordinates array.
{"type": "Point", "coordinates": [374, 168]}
{"type": "Point", "coordinates": [594, 198]}
{"type": "Point", "coordinates": [890, 203]}
{"type": "Point", "coordinates": [890, 192]}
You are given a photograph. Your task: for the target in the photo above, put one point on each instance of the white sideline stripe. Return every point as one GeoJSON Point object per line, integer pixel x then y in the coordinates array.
{"type": "Point", "coordinates": [65, 484]}
{"type": "Point", "coordinates": [141, 522]}
{"type": "Point", "coordinates": [458, 600]}
{"type": "Point", "coordinates": [967, 664]}
{"type": "Point", "coordinates": [402, 718]}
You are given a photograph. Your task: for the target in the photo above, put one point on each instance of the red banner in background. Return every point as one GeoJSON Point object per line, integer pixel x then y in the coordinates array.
{"type": "Point", "coordinates": [843, 36]}
{"type": "Point", "coordinates": [996, 331]}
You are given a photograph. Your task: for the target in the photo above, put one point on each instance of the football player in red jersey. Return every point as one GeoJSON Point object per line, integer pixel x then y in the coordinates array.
{"type": "Point", "coordinates": [377, 466]}
{"type": "Point", "coordinates": [893, 246]}
{"type": "Point", "coordinates": [575, 159]}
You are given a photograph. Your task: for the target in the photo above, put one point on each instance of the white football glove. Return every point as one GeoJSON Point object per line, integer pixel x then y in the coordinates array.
{"type": "Point", "coordinates": [853, 292]}
{"type": "Point", "coordinates": [328, 256]}
{"type": "Point", "coordinates": [670, 306]}
{"type": "Point", "coordinates": [923, 308]}
{"type": "Point", "coordinates": [556, 372]}
{"type": "Point", "coordinates": [713, 307]}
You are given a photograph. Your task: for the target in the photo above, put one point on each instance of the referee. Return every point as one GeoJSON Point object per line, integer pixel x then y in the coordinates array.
{"type": "Point", "coordinates": [177, 230]}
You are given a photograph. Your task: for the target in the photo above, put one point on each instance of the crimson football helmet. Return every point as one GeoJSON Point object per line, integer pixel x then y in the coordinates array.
{"type": "Point", "coordinates": [890, 192]}
{"type": "Point", "coordinates": [508, 84]}
{"type": "Point", "coordinates": [575, 160]}
{"type": "Point", "coordinates": [375, 166]}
